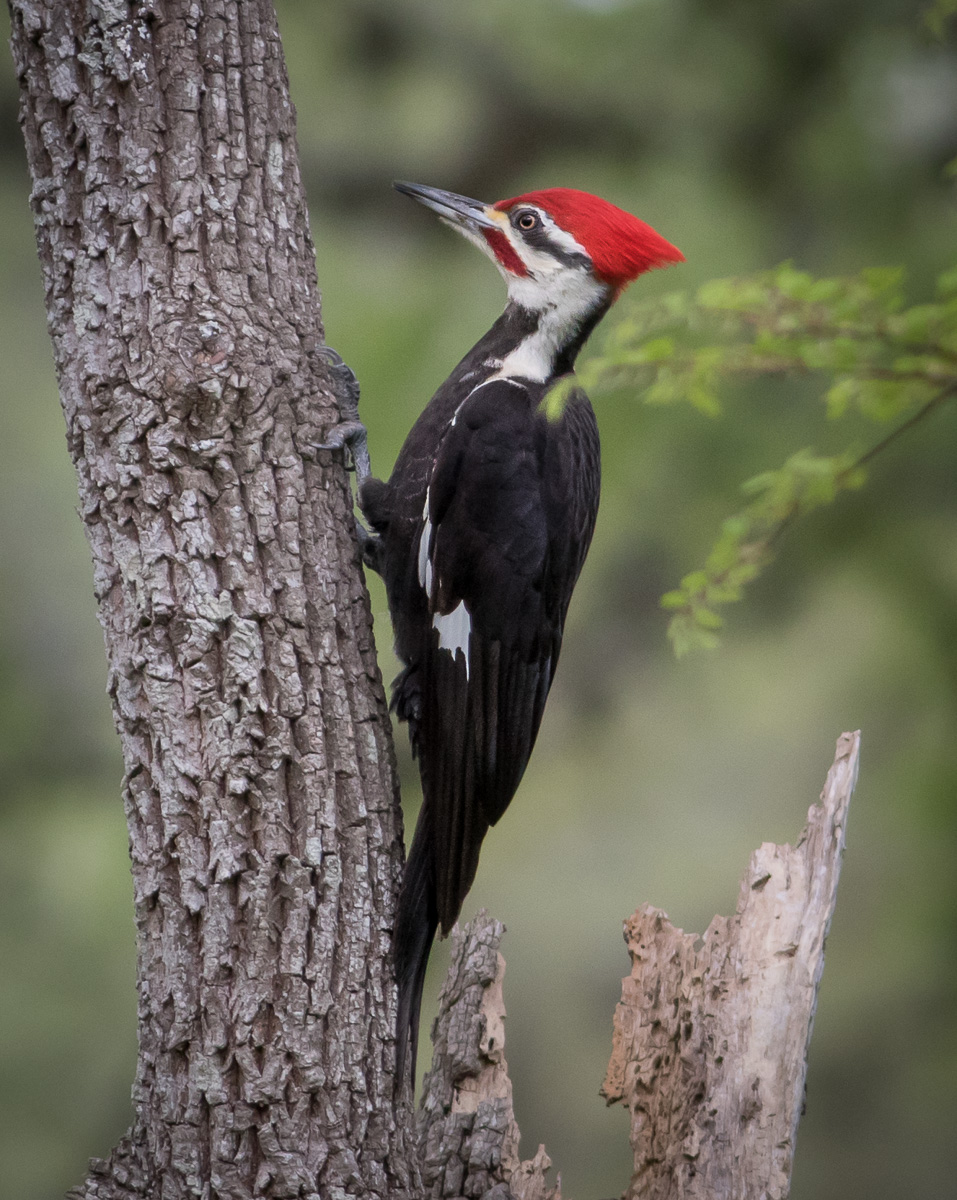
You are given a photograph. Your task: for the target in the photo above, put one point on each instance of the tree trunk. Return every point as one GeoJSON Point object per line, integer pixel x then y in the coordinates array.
{"type": "Point", "coordinates": [260, 786]}
{"type": "Point", "coordinates": [712, 1032]}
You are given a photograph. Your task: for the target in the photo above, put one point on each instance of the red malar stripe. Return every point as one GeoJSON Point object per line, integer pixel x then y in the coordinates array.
{"type": "Point", "coordinates": [502, 249]}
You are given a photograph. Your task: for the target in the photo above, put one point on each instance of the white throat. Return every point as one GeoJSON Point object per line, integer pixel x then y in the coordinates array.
{"type": "Point", "coordinates": [564, 301]}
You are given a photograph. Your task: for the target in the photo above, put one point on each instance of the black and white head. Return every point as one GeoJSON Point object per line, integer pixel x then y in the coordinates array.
{"type": "Point", "coordinates": [553, 237]}
{"type": "Point", "coordinates": [564, 254]}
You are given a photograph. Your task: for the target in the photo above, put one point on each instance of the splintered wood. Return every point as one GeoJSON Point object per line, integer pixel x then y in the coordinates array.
{"type": "Point", "coordinates": [711, 1035]}
{"type": "Point", "coordinates": [710, 1041]}
{"type": "Point", "coordinates": [466, 1125]}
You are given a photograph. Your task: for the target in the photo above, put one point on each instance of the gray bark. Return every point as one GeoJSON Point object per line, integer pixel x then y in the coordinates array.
{"type": "Point", "coordinates": [468, 1134]}
{"type": "Point", "coordinates": [260, 787]}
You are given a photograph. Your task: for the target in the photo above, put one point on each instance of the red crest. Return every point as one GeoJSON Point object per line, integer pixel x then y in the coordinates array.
{"type": "Point", "coordinates": [620, 246]}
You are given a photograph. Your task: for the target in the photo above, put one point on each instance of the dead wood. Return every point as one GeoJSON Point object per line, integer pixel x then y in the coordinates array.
{"type": "Point", "coordinates": [710, 1038]}
{"type": "Point", "coordinates": [468, 1136]}
{"type": "Point", "coordinates": [712, 1033]}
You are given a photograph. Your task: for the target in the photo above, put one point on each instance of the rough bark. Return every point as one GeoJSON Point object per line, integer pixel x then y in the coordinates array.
{"type": "Point", "coordinates": [468, 1135]}
{"type": "Point", "coordinates": [710, 1040]}
{"type": "Point", "coordinates": [259, 787]}
{"type": "Point", "coordinates": [712, 1034]}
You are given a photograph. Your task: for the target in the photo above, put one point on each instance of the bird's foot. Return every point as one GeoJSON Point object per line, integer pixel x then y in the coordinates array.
{"type": "Point", "coordinates": [350, 435]}
{"type": "Point", "coordinates": [370, 547]}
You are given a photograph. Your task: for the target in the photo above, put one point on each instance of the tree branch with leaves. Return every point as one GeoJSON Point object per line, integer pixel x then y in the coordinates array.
{"type": "Point", "coordinates": [869, 353]}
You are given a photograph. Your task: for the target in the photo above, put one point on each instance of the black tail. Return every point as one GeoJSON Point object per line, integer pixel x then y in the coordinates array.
{"type": "Point", "coordinates": [415, 927]}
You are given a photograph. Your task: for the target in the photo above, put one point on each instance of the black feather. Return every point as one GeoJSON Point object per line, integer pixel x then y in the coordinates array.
{"type": "Point", "coordinates": [414, 932]}
{"type": "Point", "coordinates": [511, 497]}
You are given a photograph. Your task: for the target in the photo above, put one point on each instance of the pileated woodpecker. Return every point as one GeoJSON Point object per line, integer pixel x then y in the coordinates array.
{"type": "Point", "coordinates": [483, 529]}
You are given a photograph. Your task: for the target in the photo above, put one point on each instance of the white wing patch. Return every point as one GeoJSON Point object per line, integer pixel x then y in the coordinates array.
{"type": "Point", "coordinates": [425, 563]}
{"type": "Point", "coordinates": [454, 629]}
{"type": "Point", "coordinates": [425, 549]}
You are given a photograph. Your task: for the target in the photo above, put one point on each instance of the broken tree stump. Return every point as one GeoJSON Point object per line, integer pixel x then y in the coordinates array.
{"type": "Point", "coordinates": [711, 1034]}
{"type": "Point", "coordinates": [710, 1037]}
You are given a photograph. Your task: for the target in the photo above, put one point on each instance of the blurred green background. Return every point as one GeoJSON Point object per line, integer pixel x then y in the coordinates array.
{"type": "Point", "coordinates": [747, 134]}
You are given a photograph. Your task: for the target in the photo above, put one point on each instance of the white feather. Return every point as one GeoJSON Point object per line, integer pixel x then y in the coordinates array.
{"type": "Point", "coordinates": [563, 303]}
{"type": "Point", "coordinates": [454, 629]}
{"type": "Point", "coordinates": [425, 549]}
{"type": "Point", "coordinates": [561, 237]}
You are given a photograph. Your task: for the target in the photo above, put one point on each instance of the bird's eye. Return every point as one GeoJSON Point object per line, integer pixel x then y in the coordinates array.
{"type": "Point", "coordinates": [527, 221]}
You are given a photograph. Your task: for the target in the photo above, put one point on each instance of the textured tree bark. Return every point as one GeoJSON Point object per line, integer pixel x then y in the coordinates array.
{"type": "Point", "coordinates": [467, 1131]}
{"type": "Point", "coordinates": [710, 1042]}
{"type": "Point", "coordinates": [712, 1034]}
{"type": "Point", "coordinates": [260, 788]}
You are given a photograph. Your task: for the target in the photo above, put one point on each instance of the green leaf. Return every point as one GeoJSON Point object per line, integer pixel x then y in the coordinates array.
{"type": "Point", "coordinates": [555, 400]}
{"type": "Point", "coordinates": [760, 483]}
{"type": "Point", "coordinates": [883, 282]}
{"type": "Point", "coordinates": [918, 324]}
{"type": "Point", "coordinates": [665, 390]}
{"type": "Point", "coordinates": [947, 282]}
{"type": "Point", "coordinates": [675, 599]}
{"type": "Point", "coordinates": [797, 285]}
{"type": "Point", "coordinates": [937, 15]}
{"type": "Point", "coordinates": [658, 349]}
{"type": "Point", "coordinates": [840, 397]}
{"type": "Point", "coordinates": [835, 354]}
{"type": "Point", "coordinates": [706, 618]}
{"type": "Point", "coordinates": [704, 399]}
{"type": "Point", "coordinates": [694, 583]}
{"type": "Point", "coordinates": [686, 635]}
{"type": "Point", "coordinates": [871, 354]}
{"type": "Point", "coordinates": [853, 477]}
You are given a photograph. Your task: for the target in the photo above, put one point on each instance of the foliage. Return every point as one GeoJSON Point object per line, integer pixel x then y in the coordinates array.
{"type": "Point", "coordinates": [937, 15]}
{"type": "Point", "coordinates": [890, 364]}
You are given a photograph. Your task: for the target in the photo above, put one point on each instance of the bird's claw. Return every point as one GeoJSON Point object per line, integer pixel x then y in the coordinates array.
{"type": "Point", "coordinates": [350, 434]}
{"type": "Point", "coordinates": [344, 381]}
{"type": "Point", "coordinates": [370, 547]}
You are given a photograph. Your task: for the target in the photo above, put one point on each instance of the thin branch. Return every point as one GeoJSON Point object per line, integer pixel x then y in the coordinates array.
{"type": "Point", "coordinates": [768, 542]}
{"type": "Point", "coordinates": [914, 419]}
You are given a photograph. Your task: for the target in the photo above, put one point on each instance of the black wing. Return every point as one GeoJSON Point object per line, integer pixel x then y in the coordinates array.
{"type": "Point", "coordinates": [511, 508]}
{"type": "Point", "coordinates": [479, 596]}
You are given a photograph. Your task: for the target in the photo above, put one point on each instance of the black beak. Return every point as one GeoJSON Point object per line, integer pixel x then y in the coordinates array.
{"type": "Point", "coordinates": [459, 211]}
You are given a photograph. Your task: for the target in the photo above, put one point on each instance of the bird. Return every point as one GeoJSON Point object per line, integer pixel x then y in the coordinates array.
{"type": "Point", "coordinates": [480, 534]}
